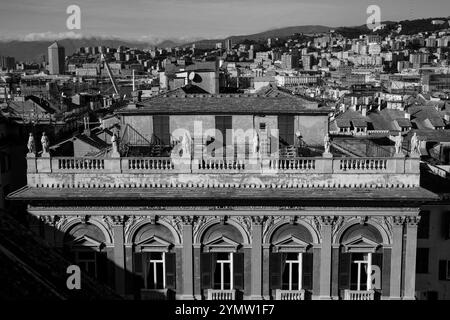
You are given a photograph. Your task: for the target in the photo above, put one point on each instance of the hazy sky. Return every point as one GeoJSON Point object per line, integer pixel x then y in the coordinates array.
{"type": "Point", "coordinates": [160, 19]}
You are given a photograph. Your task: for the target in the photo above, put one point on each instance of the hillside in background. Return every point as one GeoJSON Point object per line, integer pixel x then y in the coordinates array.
{"type": "Point", "coordinates": [35, 50]}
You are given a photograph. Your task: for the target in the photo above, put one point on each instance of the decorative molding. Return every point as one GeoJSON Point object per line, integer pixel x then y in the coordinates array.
{"type": "Point", "coordinates": [115, 220]}
{"type": "Point", "coordinates": [175, 222]}
{"type": "Point", "coordinates": [327, 220]}
{"type": "Point", "coordinates": [398, 220]}
{"type": "Point", "coordinates": [338, 223]}
{"type": "Point", "coordinates": [50, 220]}
{"type": "Point", "coordinates": [271, 221]}
{"type": "Point", "coordinates": [412, 221]}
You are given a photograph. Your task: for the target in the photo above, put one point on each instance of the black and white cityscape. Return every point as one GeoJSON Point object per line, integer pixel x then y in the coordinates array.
{"type": "Point", "coordinates": [224, 150]}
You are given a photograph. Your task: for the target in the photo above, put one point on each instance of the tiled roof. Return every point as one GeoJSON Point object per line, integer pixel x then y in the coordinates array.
{"type": "Point", "coordinates": [270, 101]}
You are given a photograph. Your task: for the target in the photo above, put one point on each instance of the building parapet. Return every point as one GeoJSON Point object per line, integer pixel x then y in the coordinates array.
{"type": "Point", "coordinates": [398, 171]}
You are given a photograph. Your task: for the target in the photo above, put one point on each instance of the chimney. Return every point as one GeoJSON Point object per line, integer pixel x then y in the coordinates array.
{"type": "Point", "coordinates": [447, 117]}
{"type": "Point", "coordinates": [407, 115]}
{"type": "Point", "coordinates": [364, 111]}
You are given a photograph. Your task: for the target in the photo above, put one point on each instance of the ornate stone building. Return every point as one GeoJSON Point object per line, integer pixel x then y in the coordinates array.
{"type": "Point", "coordinates": [260, 226]}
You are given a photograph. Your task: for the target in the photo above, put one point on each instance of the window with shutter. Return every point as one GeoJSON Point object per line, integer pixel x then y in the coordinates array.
{"type": "Point", "coordinates": [138, 271]}
{"type": "Point", "coordinates": [275, 270]}
{"type": "Point", "coordinates": [102, 267]}
{"type": "Point", "coordinates": [377, 260]}
{"type": "Point", "coordinates": [206, 270]}
{"type": "Point", "coordinates": [171, 271]}
{"type": "Point", "coordinates": [446, 225]}
{"type": "Point", "coordinates": [238, 270]}
{"type": "Point", "coordinates": [444, 270]}
{"type": "Point", "coordinates": [307, 270]}
{"type": "Point", "coordinates": [422, 260]}
{"type": "Point", "coordinates": [344, 270]}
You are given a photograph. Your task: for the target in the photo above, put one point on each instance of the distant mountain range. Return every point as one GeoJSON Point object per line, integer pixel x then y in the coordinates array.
{"type": "Point", "coordinates": [36, 50]}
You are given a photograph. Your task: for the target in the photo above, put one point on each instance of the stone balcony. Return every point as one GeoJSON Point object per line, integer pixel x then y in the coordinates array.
{"type": "Point", "coordinates": [359, 295]}
{"type": "Point", "coordinates": [216, 294]}
{"type": "Point", "coordinates": [290, 294]}
{"type": "Point", "coordinates": [145, 172]}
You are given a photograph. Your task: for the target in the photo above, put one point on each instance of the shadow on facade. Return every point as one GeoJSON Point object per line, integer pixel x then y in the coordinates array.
{"type": "Point", "coordinates": [38, 270]}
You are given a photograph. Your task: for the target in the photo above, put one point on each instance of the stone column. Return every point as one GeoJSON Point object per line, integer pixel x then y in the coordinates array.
{"type": "Point", "coordinates": [188, 265]}
{"type": "Point", "coordinates": [396, 258]}
{"type": "Point", "coordinates": [410, 259]}
{"type": "Point", "coordinates": [117, 224]}
{"type": "Point", "coordinates": [256, 265]}
{"type": "Point", "coordinates": [325, 257]}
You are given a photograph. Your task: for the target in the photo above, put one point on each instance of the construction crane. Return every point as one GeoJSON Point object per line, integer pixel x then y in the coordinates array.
{"type": "Point", "coordinates": [111, 76]}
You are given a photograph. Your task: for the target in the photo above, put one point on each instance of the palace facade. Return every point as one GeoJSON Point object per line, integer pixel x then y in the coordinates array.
{"type": "Point", "coordinates": [283, 217]}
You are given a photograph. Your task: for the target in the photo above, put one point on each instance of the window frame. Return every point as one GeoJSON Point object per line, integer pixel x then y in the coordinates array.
{"type": "Point", "coordinates": [146, 267]}
{"type": "Point", "coordinates": [299, 262]}
{"type": "Point", "coordinates": [222, 263]}
{"type": "Point", "coordinates": [360, 263]}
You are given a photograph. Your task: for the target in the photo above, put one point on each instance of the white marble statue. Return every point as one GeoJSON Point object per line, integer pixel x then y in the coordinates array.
{"type": "Point", "coordinates": [327, 143]}
{"type": "Point", "coordinates": [115, 146]}
{"type": "Point", "coordinates": [31, 144]}
{"type": "Point", "coordinates": [415, 144]}
{"type": "Point", "coordinates": [186, 145]}
{"type": "Point", "coordinates": [255, 142]}
{"type": "Point", "coordinates": [398, 143]}
{"type": "Point", "coordinates": [45, 143]}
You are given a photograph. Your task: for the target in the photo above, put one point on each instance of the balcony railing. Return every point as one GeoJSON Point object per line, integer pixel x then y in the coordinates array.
{"type": "Point", "coordinates": [78, 164]}
{"type": "Point", "coordinates": [217, 172]}
{"type": "Point", "coordinates": [149, 164]}
{"type": "Point", "coordinates": [363, 164]}
{"type": "Point", "coordinates": [221, 165]}
{"type": "Point", "coordinates": [293, 164]}
{"type": "Point", "coordinates": [214, 294]}
{"type": "Point", "coordinates": [290, 294]}
{"type": "Point", "coordinates": [359, 295]}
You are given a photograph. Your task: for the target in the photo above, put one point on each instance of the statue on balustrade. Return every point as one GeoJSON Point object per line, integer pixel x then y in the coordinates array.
{"type": "Point", "coordinates": [31, 145]}
{"type": "Point", "coordinates": [115, 146]}
{"type": "Point", "coordinates": [186, 145]}
{"type": "Point", "coordinates": [398, 143]}
{"type": "Point", "coordinates": [45, 145]}
{"type": "Point", "coordinates": [327, 144]}
{"type": "Point", "coordinates": [415, 145]}
{"type": "Point", "coordinates": [256, 146]}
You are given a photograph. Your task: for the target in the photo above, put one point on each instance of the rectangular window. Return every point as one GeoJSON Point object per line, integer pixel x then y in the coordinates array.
{"type": "Point", "coordinates": [422, 260]}
{"type": "Point", "coordinates": [423, 231]}
{"type": "Point", "coordinates": [286, 129]}
{"type": "Point", "coordinates": [156, 271]}
{"type": "Point", "coordinates": [223, 271]}
{"type": "Point", "coordinates": [161, 129]}
{"type": "Point", "coordinates": [361, 267]}
{"type": "Point", "coordinates": [292, 272]}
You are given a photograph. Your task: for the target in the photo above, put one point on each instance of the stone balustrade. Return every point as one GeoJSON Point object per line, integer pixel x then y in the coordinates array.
{"type": "Point", "coordinates": [215, 294]}
{"type": "Point", "coordinates": [359, 295]}
{"type": "Point", "coordinates": [290, 294]}
{"type": "Point", "coordinates": [399, 171]}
